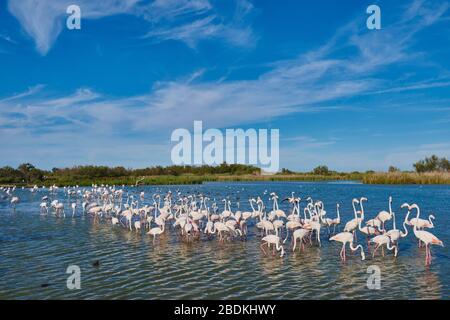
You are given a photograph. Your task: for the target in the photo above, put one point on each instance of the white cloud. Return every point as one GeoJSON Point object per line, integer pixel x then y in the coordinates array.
{"type": "Point", "coordinates": [43, 20]}
{"type": "Point", "coordinates": [208, 24]}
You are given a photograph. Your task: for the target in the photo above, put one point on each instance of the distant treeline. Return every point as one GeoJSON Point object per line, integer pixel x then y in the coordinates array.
{"type": "Point", "coordinates": [432, 170]}
{"type": "Point", "coordinates": [28, 174]}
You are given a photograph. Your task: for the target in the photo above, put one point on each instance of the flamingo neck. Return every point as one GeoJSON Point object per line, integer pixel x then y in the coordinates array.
{"type": "Point", "coordinates": [417, 220]}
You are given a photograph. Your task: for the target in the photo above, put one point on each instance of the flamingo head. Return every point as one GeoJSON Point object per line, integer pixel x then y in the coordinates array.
{"type": "Point", "coordinates": [405, 205]}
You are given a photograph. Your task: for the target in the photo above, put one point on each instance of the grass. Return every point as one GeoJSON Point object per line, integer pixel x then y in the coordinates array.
{"type": "Point", "coordinates": [367, 178]}
{"type": "Point", "coordinates": [407, 178]}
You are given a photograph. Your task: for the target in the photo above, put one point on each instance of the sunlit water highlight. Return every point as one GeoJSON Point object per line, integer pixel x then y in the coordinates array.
{"type": "Point", "coordinates": [36, 250]}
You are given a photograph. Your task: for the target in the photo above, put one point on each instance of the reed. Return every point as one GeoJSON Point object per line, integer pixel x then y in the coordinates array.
{"type": "Point", "coordinates": [367, 178]}
{"type": "Point", "coordinates": [407, 178]}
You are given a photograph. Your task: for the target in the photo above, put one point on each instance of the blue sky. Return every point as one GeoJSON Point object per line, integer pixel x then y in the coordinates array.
{"type": "Point", "coordinates": [112, 92]}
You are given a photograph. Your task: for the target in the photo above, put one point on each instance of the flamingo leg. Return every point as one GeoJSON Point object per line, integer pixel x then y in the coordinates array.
{"type": "Point", "coordinates": [262, 248]}
{"type": "Point", "coordinates": [344, 253]}
{"type": "Point", "coordinates": [375, 250]}
{"type": "Point", "coordinates": [368, 244]}
{"type": "Point", "coordinates": [429, 254]}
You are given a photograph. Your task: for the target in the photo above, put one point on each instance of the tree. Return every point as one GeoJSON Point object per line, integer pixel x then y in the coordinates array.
{"type": "Point", "coordinates": [433, 163]}
{"type": "Point", "coordinates": [444, 164]}
{"type": "Point", "coordinates": [393, 169]}
{"type": "Point", "coordinates": [321, 170]}
{"type": "Point", "coordinates": [286, 171]}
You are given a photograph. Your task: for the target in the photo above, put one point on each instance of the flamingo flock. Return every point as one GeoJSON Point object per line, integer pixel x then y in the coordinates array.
{"type": "Point", "coordinates": [194, 217]}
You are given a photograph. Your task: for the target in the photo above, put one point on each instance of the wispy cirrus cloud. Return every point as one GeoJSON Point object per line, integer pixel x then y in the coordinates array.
{"type": "Point", "coordinates": [183, 20]}
{"type": "Point", "coordinates": [43, 20]}
{"type": "Point", "coordinates": [209, 25]}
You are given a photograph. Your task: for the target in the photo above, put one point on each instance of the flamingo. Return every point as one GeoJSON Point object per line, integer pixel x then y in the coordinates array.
{"type": "Point", "coordinates": [14, 201]}
{"type": "Point", "coordinates": [384, 216]}
{"type": "Point", "coordinates": [272, 239]}
{"type": "Point", "coordinates": [313, 225]}
{"type": "Point", "coordinates": [367, 230]}
{"type": "Point", "coordinates": [347, 237]}
{"type": "Point", "coordinates": [380, 241]}
{"type": "Point", "coordinates": [294, 221]}
{"type": "Point", "coordinates": [156, 231]}
{"type": "Point", "coordinates": [352, 224]}
{"type": "Point", "coordinates": [74, 208]}
{"type": "Point", "coordinates": [299, 234]}
{"type": "Point", "coordinates": [333, 222]}
{"type": "Point", "coordinates": [396, 234]}
{"type": "Point", "coordinates": [114, 221]}
{"type": "Point", "coordinates": [279, 213]}
{"type": "Point", "coordinates": [422, 223]}
{"type": "Point", "coordinates": [426, 237]}
{"type": "Point", "coordinates": [137, 226]}
{"type": "Point", "coordinates": [44, 208]}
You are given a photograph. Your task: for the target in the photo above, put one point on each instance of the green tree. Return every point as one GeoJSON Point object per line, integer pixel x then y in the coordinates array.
{"type": "Point", "coordinates": [321, 170]}
{"type": "Point", "coordinates": [433, 163]}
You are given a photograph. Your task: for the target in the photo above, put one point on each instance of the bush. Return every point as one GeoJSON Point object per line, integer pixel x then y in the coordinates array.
{"type": "Point", "coordinates": [321, 170]}
{"type": "Point", "coordinates": [432, 164]}
{"type": "Point", "coordinates": [393, 169]}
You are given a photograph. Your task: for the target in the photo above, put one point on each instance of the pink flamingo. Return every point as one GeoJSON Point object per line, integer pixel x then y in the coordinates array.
{"type": "Point", "coordinates": [345, 237]}
{"type": "Point", "coordinates": [426, 237]}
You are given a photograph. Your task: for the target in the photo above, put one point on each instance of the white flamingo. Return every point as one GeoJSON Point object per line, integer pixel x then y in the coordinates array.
{"type": "Point", "coordinates": [272, 239]}
{"type": "Point", "coordinates": [384, 216]}
{"type": "Point", "coordinates": [426, 237]}
{"type": "Point", "coordinates": [380, 241]}
{"type": "Point", "coordinates": [74, 208]}
{"type": "Point", "coordinates": [347, 237]}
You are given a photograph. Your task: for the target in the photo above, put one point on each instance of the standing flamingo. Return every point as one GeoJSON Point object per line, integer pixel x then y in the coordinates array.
{"type": "Point", "coordinates": [426, 237]}
{"type": "Point", "coordinates": [14, 201]}
{"type": "Point", "coordinates": [345, 237]}
{"type": "Point", "coordinates": [395, 234]}
{"type": "Point", "coordinates": [380, 241]}
{"type": "Point", "coordinates": [272, 239]}
{"type": "Point", "coordinates": [353, 224]}
{"type": "Point", "coordinates": [384, 216]}
{"type": "Point", "coordinates": [74, 208]}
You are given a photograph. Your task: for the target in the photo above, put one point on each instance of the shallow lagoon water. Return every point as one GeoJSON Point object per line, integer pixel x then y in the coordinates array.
{"type": "Point", "coordinates": [36, 250]}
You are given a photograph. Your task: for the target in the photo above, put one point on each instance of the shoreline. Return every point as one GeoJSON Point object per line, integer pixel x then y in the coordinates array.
{"type": "Point", "coordinates": [395, 178]}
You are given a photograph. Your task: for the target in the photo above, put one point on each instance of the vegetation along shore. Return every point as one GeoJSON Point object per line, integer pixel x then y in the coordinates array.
{"type": "Point", "coordinates": [431, 170]}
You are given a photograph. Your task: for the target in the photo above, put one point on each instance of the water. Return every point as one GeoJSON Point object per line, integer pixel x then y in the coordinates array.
{"type": "Point", "coordinates": [36, 250]}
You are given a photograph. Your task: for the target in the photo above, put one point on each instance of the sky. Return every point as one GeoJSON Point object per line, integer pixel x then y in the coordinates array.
{"type": "Point", "coordinates": [112, 93]}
